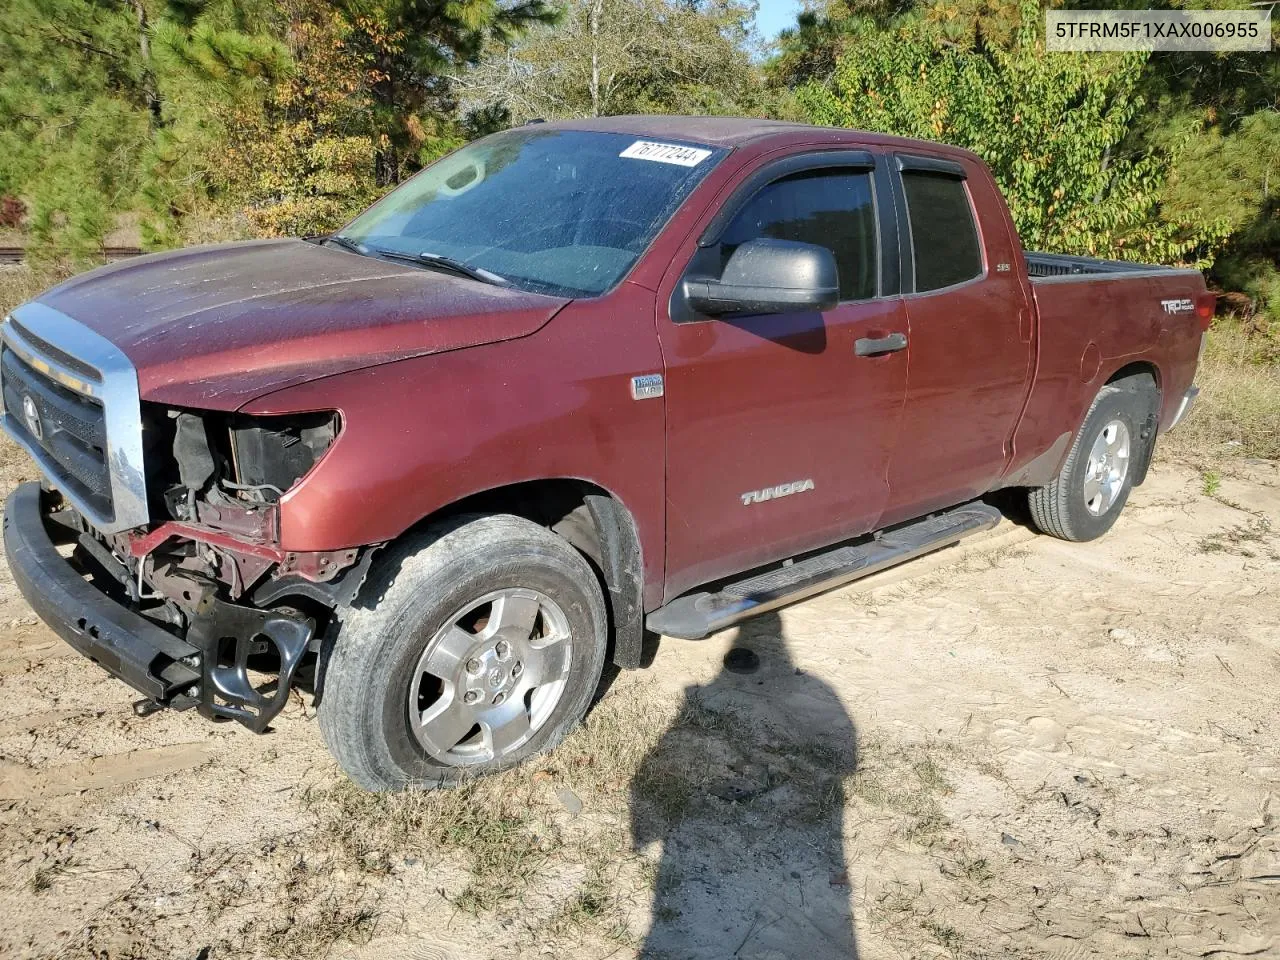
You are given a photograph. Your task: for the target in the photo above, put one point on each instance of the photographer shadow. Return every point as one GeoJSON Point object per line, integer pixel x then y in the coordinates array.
{"type": "Point", "coordinates": [745, 792]}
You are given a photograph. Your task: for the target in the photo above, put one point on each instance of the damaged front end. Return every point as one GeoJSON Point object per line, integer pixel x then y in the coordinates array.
{"type": "Point", "coordinates": [209, 570]}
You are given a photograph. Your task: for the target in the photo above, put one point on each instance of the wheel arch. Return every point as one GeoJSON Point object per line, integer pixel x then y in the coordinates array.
{"type": "Point", "coordinates": [1142, 376]}
{"type": "Point", "coordinates": [597, 524]}
{"type": "Point", "coordinates": [1135, 371]}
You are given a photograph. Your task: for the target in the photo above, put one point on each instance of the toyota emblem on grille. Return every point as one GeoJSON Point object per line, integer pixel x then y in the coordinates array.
{"type": "Point", "coordinates": [31, 414]}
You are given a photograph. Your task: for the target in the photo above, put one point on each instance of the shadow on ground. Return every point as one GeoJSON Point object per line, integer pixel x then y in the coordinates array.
{"type": "Point", "coordinates": [745, 793]}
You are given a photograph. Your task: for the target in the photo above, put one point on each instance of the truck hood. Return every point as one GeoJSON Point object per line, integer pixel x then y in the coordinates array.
{"type": "Point", "coordinates": [216, 326]}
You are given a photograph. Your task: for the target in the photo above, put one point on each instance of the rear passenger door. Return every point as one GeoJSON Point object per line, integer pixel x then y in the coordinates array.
{"type": "Point", "coordinates": [971, 351]}
{"type": "Point", "coordinates": [778, 432]}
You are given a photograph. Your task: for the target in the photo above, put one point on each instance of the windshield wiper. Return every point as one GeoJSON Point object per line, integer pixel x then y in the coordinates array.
{"type": "Point", "coordinates": [345, 244]}
{"type": "Point", "coordinates": [459, 267]}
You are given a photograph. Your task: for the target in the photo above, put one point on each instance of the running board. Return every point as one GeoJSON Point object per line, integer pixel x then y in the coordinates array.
{"type": "Point", "coordinates": [697, 615]}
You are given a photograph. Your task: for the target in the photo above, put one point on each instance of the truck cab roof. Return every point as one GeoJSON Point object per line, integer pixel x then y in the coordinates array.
{"type": "Point", "coordinates": [737, 131]}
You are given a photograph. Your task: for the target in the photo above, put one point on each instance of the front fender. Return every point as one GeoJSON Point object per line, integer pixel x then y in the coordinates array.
{"type": "Point", "coordinates": [420, 434]}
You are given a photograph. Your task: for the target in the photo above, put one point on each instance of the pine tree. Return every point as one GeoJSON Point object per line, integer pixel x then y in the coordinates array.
{"type": "Point", "coordinates": [414, 49]}
{"type": "Point", "coordinates": [73, 116]}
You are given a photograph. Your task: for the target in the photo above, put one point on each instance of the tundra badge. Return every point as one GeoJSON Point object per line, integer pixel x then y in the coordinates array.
{"type": "Point", "coordinates": [772, 493]}
{"type": "Point", "coordinates": [646, 387]}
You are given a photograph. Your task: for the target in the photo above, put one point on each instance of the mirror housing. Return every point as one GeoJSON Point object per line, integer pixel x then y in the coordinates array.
{"type": "Point", "coordinates": [768, 276]}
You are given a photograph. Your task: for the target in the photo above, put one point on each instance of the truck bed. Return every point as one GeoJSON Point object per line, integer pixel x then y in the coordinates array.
{"type": "Point", "coordinates": [1095, 316]}
{"type": "Point", "coordinates": [1042, 266]}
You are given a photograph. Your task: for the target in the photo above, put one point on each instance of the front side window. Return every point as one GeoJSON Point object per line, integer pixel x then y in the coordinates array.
{"type": "Point", "coordinates": [944, 238]}
{"type": "Point", "coordinates": [829, 208]}
{"type": "Point", "coordinates": [557, 211]}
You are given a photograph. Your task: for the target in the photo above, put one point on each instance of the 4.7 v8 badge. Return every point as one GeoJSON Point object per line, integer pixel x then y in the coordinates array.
{"type": "Point", "coordinates": [773, 493]}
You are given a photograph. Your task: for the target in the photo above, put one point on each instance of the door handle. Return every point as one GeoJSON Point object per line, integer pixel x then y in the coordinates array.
{"type": "Point", "coordinates": [873, 346]}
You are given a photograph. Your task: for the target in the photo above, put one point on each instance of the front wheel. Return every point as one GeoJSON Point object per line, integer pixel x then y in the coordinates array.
{"type": "Point", "coordinates": [472, 647]}
{"type": "Point", "coordinates": [1084, 500]}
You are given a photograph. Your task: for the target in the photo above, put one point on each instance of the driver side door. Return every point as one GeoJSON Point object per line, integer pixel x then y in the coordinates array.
{"type": "Point", "coordinates": [779, 434]}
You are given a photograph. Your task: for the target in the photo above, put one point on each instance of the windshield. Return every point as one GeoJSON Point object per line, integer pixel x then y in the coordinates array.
{"type": "Point", "coordinates": [555, 211]}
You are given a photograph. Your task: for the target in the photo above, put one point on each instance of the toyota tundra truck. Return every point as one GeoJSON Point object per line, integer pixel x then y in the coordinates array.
{"type": "Point", "coordinates": [573, 383]}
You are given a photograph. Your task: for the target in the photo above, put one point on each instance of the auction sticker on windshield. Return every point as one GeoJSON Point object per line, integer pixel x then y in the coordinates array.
{"type": "Point", "coordinates": [665, 153]}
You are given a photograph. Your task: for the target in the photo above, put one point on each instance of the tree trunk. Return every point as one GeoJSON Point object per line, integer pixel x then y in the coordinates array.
{"type": "Point", "coordinates": [386, 161]}
{"type": "Point", "coordinates": [148, 75]}
{"type": "Point", "coordinates": [597, 7]}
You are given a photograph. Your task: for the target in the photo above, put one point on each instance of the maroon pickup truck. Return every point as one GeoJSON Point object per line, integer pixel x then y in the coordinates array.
{"type": "Point", "coordinates": [572, 382]}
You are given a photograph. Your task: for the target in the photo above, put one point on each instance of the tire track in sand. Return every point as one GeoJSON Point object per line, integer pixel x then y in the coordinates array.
{"type": "Point", "coordinates": [22, 783]}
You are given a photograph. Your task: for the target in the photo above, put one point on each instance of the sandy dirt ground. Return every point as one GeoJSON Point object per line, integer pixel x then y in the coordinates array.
{"type": "Point", "coordinates": [1018, 747]}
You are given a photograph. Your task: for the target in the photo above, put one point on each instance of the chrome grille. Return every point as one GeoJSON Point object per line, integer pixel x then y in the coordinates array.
{"type": "Point", "coordinates": [78, 367]}
{"type": "Point", "coordinates": [70, 399]}
{"type": "Point", "coordinates": [70, 427]}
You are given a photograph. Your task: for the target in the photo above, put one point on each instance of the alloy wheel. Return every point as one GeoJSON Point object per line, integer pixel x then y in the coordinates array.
{"type": "Point", "coordinates": [491, 677]}
{"type": "Point", "coordinates": [1107, 469]}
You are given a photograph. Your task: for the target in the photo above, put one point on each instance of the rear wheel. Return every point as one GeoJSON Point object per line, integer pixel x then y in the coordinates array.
{"type": "Point", "coordinates": [1084, 500]}
{"type": "Point", "coordinates": [482, 645]}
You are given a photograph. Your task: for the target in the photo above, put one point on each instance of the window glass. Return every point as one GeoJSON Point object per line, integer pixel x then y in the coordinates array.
{"type": "Point", "coordinates": [829, 208]}
{"type": "Point", "coordinates": [559, 211]}
{"type": "Point", "coordinates": [943, 234]}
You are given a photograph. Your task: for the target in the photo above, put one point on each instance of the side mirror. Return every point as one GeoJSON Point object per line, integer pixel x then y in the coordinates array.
{"type": "Point", "coordinates": [769, 276]}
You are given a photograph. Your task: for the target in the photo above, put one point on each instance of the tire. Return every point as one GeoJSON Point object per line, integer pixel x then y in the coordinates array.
{"type": "Point", "coordinates": [437, 607]}
{"type": "Point", "coordinates": [1079, 504]}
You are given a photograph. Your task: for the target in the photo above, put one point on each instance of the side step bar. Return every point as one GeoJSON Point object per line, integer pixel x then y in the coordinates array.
{"type": "Point", "coordinates": [697, 615]}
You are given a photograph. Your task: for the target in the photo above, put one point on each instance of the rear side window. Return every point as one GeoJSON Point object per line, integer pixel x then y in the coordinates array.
{"type": "Point", "coordinates": [944, 237]}
{"type": "Point", "coordinates": [829, 208]}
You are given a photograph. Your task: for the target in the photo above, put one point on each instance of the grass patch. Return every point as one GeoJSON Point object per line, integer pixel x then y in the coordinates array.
{"type": "Point", "coordinates": [312, 928]}
{"type": "Point", "coordinates": [642, 764]}
{"type": "Point", "coordinates": [42, 879]}
{"type": "Point", "coordinates": [908, 780]}
{"type": "Point", "coordinates": [974, 869]}
{"type": "Point", "coordinates": [1241, 539]}
{"type": "Point", "coordinates": [509, 836]}
{"type": "Point", "coordinates": [314, 915]}
{"type": "Point", "coordinates": [488, 819]}
{"type": "Point", "coordinates": [944, 935]}
{"type": "Point", "coordinates": [1238, 412]}
{"type": "Point", "coordinates": [601, 902]}
{"type": "Point", "coordinates": [19, 283]}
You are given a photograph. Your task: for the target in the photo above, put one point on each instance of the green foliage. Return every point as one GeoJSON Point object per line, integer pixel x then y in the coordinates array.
{"type": "Point", "coordinates": [607, 57]}
{"type": "Point", "coordinates": [296, 113]}
{"type": "Point", "coordinates": [1205, 126]}
{"type": "Point", "coordinates": [1230, 167]}
{"type": "Point", "coordinates": [413, 49]}
{"type": "Point", "coordinates": [283, 136]}
{"type": "Point", "coordinates": [1050, 126]}
{"type": "Point", "coordinates": [809, 51]}
{"type": "Point", "coordinates": [1234, 171]}
{"type": "Point", "coordinates": [71, 116]}
{"type": "Point", "coordinates": [202, 118]}
{"type": "Point", "coordinates": [214, 61]}
{"type": "Point", "coordinates": [93, 118]}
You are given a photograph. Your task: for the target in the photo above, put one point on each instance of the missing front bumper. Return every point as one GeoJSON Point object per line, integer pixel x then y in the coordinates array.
{"type": "Point", "coordinates": [207, 669]}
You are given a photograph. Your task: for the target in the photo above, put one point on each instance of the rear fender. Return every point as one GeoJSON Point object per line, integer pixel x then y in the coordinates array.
{"type": "Point", "coordinates": [1143, 385]}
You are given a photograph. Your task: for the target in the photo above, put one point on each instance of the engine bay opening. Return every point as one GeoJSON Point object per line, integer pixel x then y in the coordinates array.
{"type": "Point", "coordinates": [229, 461]}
